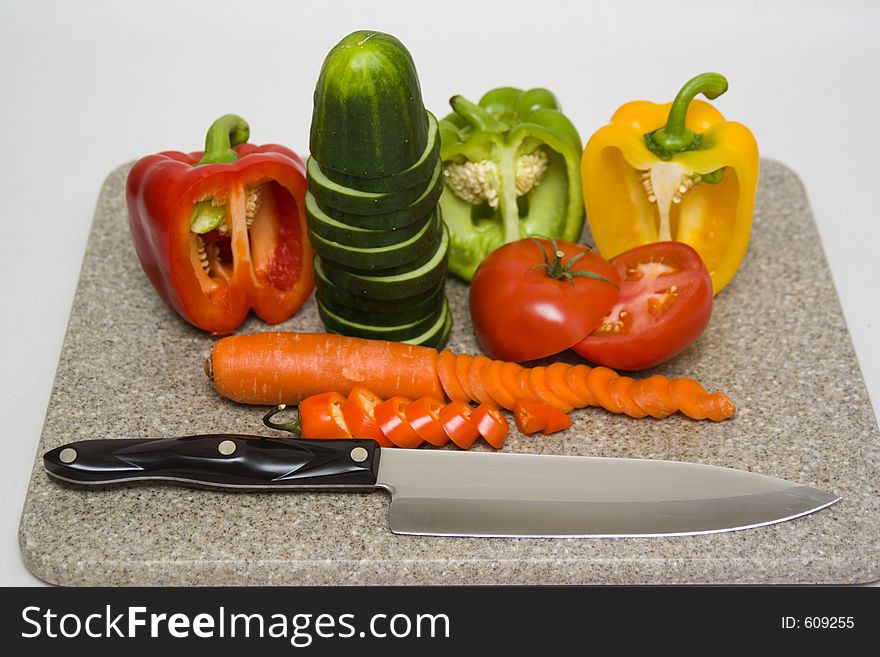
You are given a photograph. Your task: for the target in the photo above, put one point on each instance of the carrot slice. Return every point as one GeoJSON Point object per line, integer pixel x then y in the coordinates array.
{"type": "Point", "coordinates": [686, 395]}
{"type": "Point", "coordinates": [538, 384]}
{"type": "Point", "coordinates": [448, 377]}
{"type": "Point", "coordinates": [493, 381]}
{"type": "Point", "coordinates": [481, 395]}
{"type": "Point", "coordinates": [598, 380]}
{"type": "Point", "coordinates": [619, 391]}
{"type": "Point", "coordinates": [462, 371]}
{"type": "Point", "coordinates": [718, 407]}
{"type": "Point", "coordinates": [555, 376]}
{"type": "Point", "coordinates": [576, 378]}
{"type": "Point", "coordinates": [511, 376]}
{"type": "Point", "coordinates": [652, 396]}
{"type": "Point", "coordinates": [491, 424]}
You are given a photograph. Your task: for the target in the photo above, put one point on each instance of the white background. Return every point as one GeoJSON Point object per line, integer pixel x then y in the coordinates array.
{"type": "Point", "coordinates": [88, 86]}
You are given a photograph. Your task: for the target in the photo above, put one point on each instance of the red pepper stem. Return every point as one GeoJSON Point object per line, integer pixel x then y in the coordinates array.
{"type": "Point", "coordinates": [674, 137]}
{"type": "Point", "coordinates": [227, 131]}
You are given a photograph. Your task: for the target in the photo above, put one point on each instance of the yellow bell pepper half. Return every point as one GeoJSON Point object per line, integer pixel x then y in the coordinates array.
{"type": "Point", "coordinates": [674, 171]}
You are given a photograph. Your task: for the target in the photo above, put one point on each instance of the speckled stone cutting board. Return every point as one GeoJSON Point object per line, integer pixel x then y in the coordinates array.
{"type": "Point", "coordinates": [777, 344]}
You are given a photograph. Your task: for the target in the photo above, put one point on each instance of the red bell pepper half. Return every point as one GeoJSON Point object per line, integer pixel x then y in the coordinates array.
{"type": "Point", "coordinates": [223, 231]}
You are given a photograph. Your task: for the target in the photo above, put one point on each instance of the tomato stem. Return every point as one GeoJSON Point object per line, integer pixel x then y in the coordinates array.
{"type": "Point", "coordinates": [557, 270]}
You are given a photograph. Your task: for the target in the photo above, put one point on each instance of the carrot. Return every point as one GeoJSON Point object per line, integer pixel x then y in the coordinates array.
{"type": "Point", "coordinates": [652, 395]}
{"type": "Point", "coordinates": [556, 381]}
{"type": "Point", "coordinates": [598, 380]}
{"type": "Point", "coordinates": [511, 377]}
{"type": "Point", "coordinates": [493, 380]}
{"type": "Point", "coordinates": [462, 372]}
{"type": "Point", "coordinates": [448, 377]}
{"type": "Point", "coordinates": [538, 384]}
{"type": "Point", "coordinates": [620, 392]}
{"type": "Point", "coordinates": [481, 395]}
{"type": "Point", "coordinates": [274, 368]}
{"type": "Point", "coordinates": [576, 378]}
{"type": "Point", "coordinates": [286, 367]}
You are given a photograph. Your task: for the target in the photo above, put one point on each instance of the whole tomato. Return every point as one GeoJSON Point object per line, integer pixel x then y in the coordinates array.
{"type": "Point", "coordinates": [536, 297]}
{"type": "Point", "coordinates": [664, 306]}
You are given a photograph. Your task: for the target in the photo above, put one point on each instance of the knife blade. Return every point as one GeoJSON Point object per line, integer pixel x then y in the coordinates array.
{"type": "Point", "coordinates": [449, 493]}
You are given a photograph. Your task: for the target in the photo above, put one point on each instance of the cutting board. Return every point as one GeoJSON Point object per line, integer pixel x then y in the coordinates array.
{"type": "Point", "coordinates": [777, 344]}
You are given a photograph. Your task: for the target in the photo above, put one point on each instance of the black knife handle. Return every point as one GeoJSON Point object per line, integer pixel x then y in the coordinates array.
{"type": "Point", "coordinates": [224, 461]}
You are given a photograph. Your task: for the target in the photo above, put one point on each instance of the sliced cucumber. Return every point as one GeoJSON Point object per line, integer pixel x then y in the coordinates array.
{"type": "Point", "coordinates": [397, 285]}
{"type": "Point", "coordinates": [337, 323]}
{"type": "Point", "coordinates": [331, 293]}
{"type": "Point", "coordinates": [333, 230]}
{"type": "Point", "coordinates": [419, 208]}
{"type": "Point", "coordinates": [438, 334]}
{"type": "Point", "coordinates": [348, 199]}
{"type": "Point", "coordinates": [378, 312]}
{"type": "Point", "coordinates": [417, 174]}
{"type": "Point", "coordinates": [380, 257]}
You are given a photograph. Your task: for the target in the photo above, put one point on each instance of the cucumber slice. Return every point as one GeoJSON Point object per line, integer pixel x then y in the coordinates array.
{"type": "Point", "coordinates": [348, 199]}
{"type": "Point", "coordinates": [421, 207]}
{"type": "Point", "coordinates": [437, 335]}
{"type": "Point", "coordinates": [397, 285]}
{"type": "Point", "coordinates": [333, 230]}
{"type": "Point", "coordinates": [338, 324]}
{"type": "Point", "coordinates": [417, 174]}
{"type": "Point", "coordinates": [380, 257]}
{"type": "Point", "coordinates": [335, 295]}
{"type": "Point", "coordinates": [376, 312]}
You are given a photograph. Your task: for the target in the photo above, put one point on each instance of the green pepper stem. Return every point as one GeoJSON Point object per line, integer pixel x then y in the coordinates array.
{"type": "Point", "coordinates": [477, 116]}
{"type": "Point", "coordinates": [294, 426]}
{"type": "Point", "coordinates": [674, 137]}
{"type": "Point", "coordinates": [227, 131]}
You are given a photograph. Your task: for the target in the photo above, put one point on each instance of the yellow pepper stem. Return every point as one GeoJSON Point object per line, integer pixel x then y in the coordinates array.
{"type": "Point", "coordinates": [674, 137]}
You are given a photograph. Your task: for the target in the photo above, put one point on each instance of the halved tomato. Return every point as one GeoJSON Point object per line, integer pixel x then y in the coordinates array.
{"type": "Point", "coordinates": [664, 306]}
{"type": "Point", "coordinates": [536, 297]}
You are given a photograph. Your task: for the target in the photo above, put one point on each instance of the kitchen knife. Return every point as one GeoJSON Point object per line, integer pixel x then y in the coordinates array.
{"type": "Point", "coordinates": [450, 493]}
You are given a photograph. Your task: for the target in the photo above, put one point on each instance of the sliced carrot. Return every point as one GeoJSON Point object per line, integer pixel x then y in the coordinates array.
{"type": "Point", "coordinates": [538, 384]}
{"type": "Point", "coordinates": [556, 421]}
{"type": "Point", "coordinates": [493, 381]}
{"type": "Point", "coordinates": [686, 395]}
{"type": "Point", "coordinates": [491, 424]}
{"type": "Point", "coordinates": [653, 396]}
{"type": "Point", "coordinates": [619, 391]}
{"type": "Point", "coordinates": [462, 374]}
{"type": "Point", "coordinates": [448, 377]}
{"type": "Point", "coordinates": [555, 376]}
{"type": "Point", "coordinates": [576, 378]}
{"type": "Point", "coordinates": [481, 395]}
{"type": "Point", "coordinates": [598, 380]}
{"type": "Point", "coordinates": [718, 407]}
{"type": "Point", "coordinates": [511, 376]}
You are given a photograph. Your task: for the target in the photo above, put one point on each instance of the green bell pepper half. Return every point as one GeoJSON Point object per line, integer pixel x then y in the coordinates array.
{"type": "Point", "coordinates": [511, 169]}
